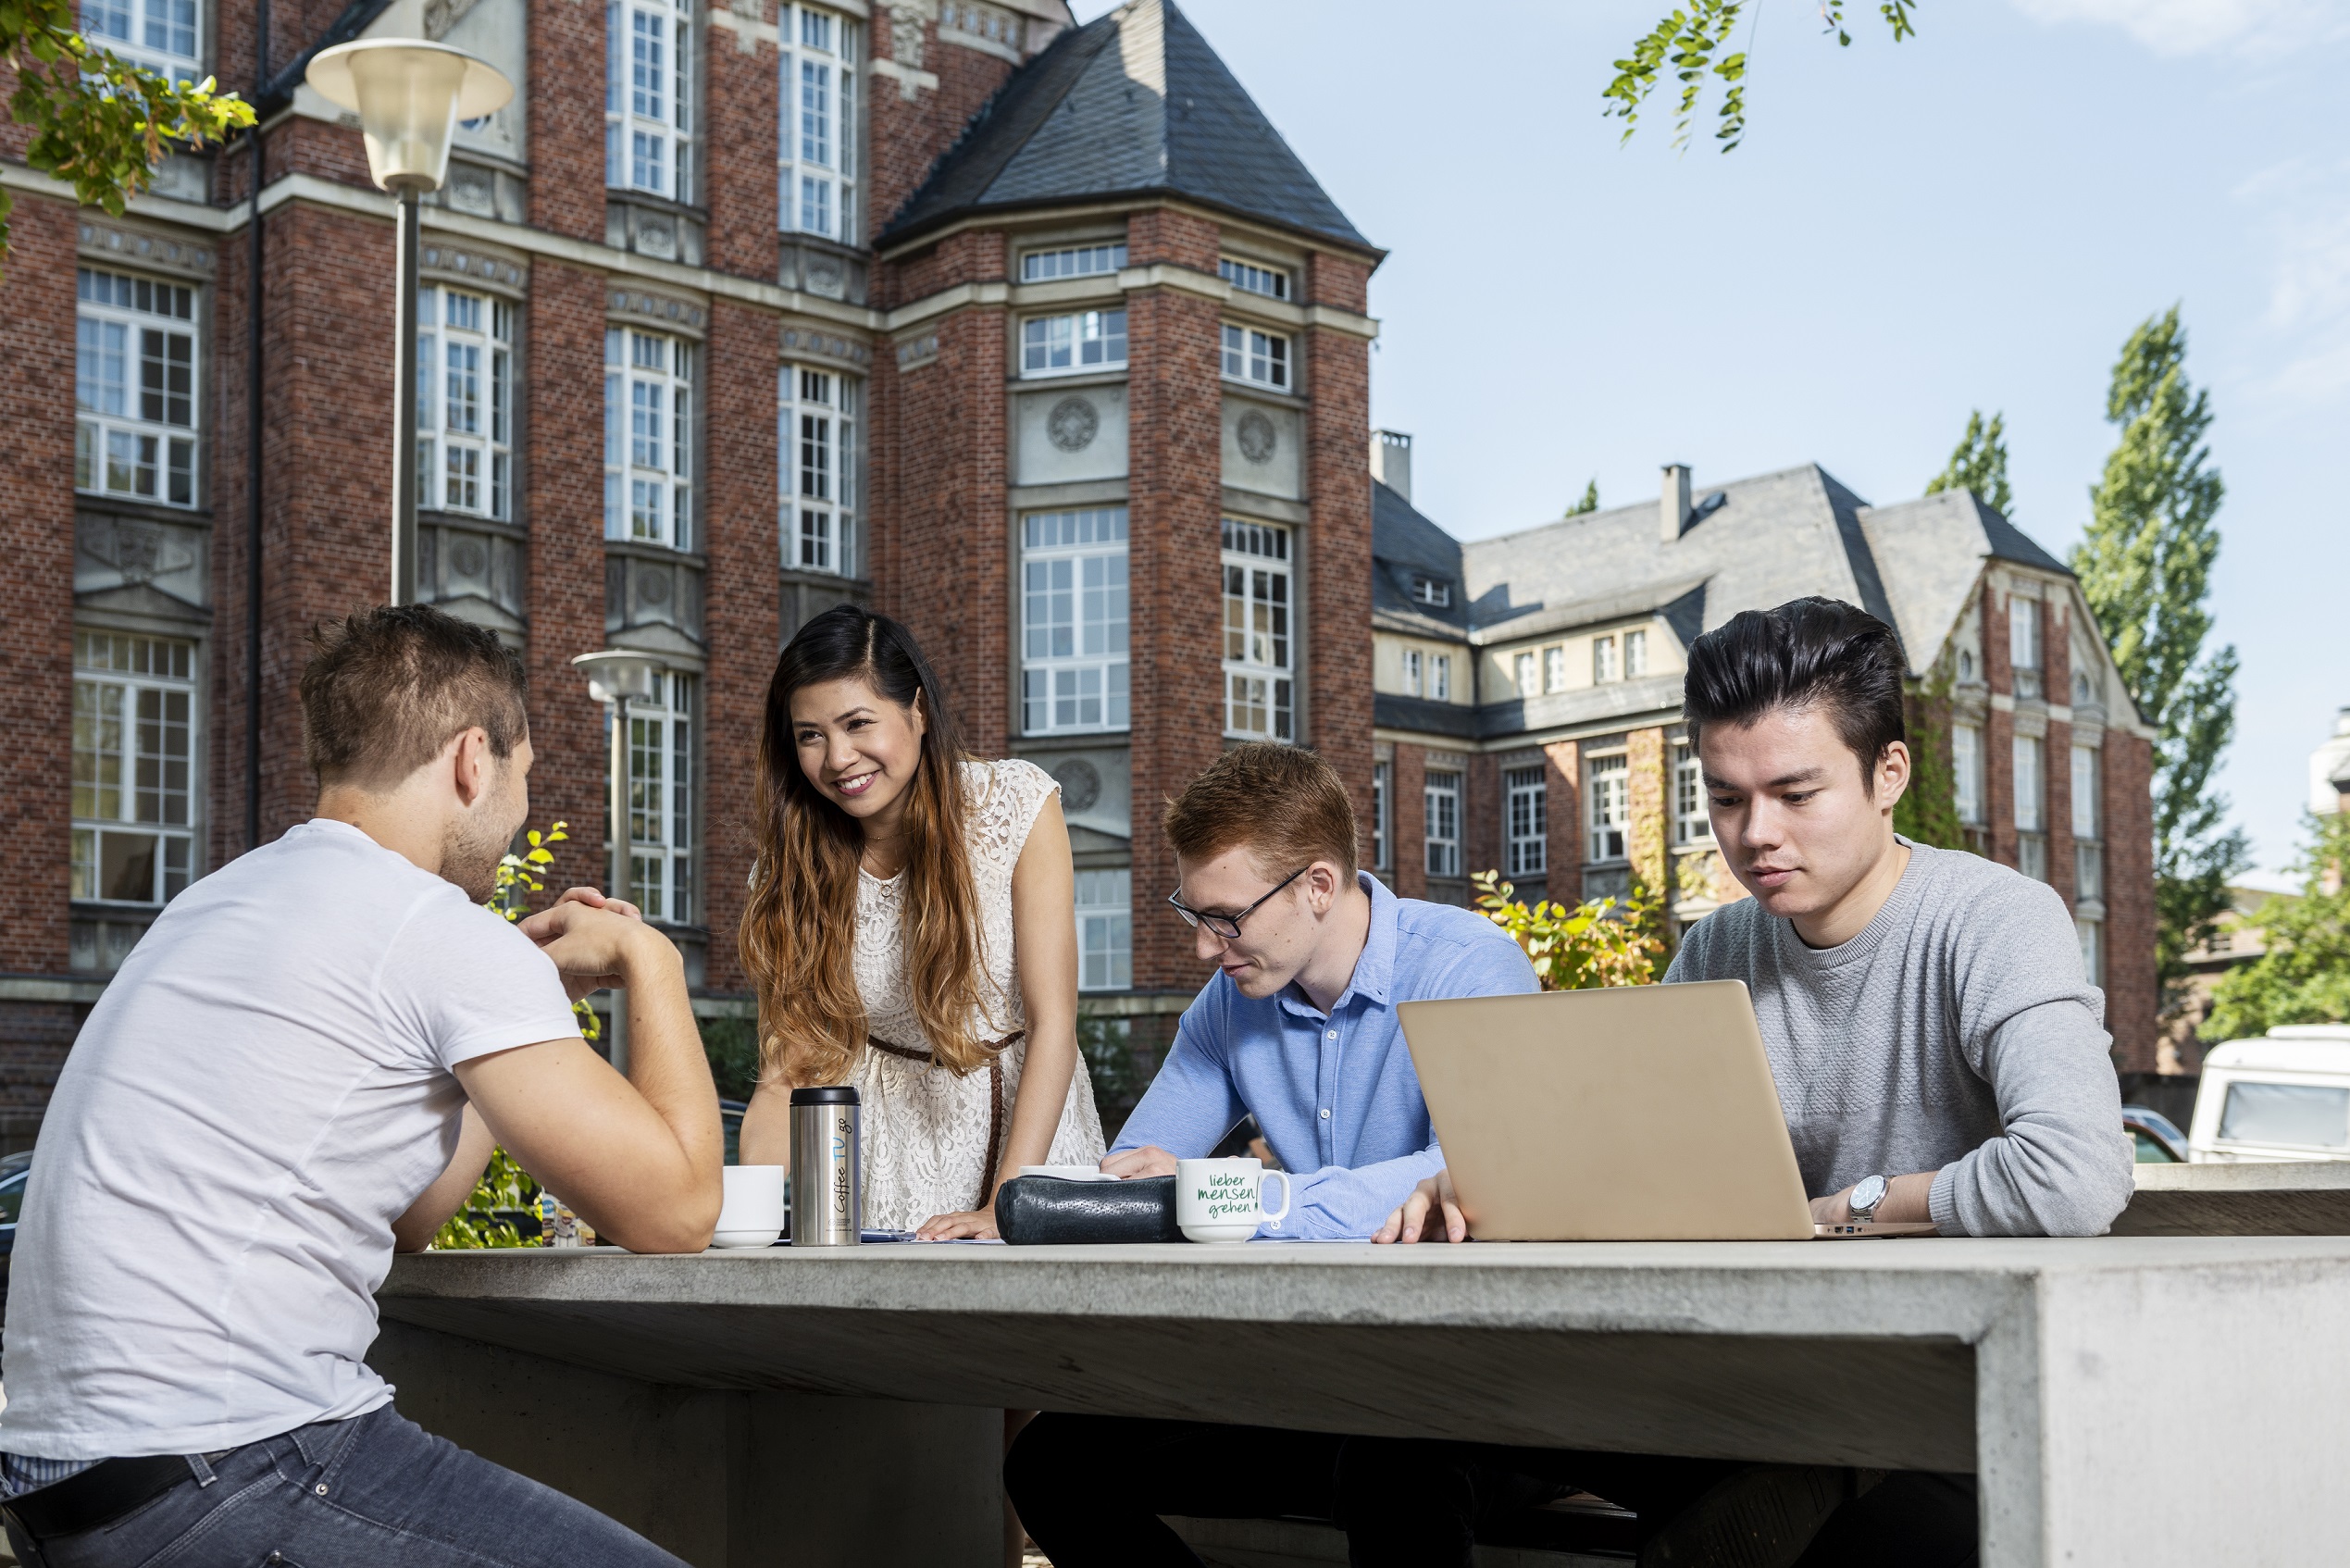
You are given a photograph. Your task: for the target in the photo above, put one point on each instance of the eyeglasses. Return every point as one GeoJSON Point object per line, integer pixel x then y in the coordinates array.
{"type": "Point", "coordinates": [1228, 926]}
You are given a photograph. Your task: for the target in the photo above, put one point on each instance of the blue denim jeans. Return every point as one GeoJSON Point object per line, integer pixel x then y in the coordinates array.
{"type": "Point", "coordinates": [374, 1491]}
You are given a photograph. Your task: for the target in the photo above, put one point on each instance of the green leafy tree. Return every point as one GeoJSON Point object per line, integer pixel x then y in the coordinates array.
{"type": "Point", "coordinates": [1928, 811]}
{"type": "Point", "coordinates": [2303, 977]}
{"type": "Point", "coordinates": [1590, 502]}
{"type": "Point", "coordinates": [2145, 565]}
{"type": "Point", "coordinates": [1693, 43]}
{"type": "Point", "coordinates": [1980, 464]}
{"type": "Point", "coordinates": [1602, 942]}
{"type": "Point", "coordinates": [98, 121]}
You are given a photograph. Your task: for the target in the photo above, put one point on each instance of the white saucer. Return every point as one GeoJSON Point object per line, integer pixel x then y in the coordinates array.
{"type": "Point", "coordinates": [730, 1240]}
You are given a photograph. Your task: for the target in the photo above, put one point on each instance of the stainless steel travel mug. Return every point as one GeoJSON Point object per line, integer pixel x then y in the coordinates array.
{"type": "Point", "coordinates": [827, 1203]}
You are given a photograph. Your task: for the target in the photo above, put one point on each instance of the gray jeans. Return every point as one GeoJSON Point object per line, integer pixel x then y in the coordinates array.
{"type": "Point", "coordinates": [374, 1491]}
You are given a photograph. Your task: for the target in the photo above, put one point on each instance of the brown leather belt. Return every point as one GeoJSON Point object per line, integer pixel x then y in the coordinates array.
{"type": "Point", "coordinates": [995, 1050]}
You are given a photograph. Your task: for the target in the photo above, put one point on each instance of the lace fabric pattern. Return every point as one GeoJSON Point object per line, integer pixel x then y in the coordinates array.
{"type": "Point", "coordinates": [925, 1144]}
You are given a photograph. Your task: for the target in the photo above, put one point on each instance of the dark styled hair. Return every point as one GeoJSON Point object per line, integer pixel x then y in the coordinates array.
{"type": "Point", "coordinates": [1807, 652]}
{"type": "Point", "coordinates": [389, 686]}
{"type": "Point", "coordinates": [1287, 805]}
{"type": "Point", "coordinates": [799, 932]}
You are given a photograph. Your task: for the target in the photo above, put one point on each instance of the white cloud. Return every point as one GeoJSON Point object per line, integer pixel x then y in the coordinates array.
{"type": "Point", "coordinates": [2302, 205]}
{"type": "Point", "coordinates": [2188, 26]}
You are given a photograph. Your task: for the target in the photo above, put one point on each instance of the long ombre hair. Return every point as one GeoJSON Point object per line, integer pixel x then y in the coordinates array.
{"type": "Point", "coordinates": [799, 927]}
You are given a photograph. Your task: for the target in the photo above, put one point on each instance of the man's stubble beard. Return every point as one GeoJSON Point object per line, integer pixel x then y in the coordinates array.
{"type": "Point", "coordinates": [469, 856]}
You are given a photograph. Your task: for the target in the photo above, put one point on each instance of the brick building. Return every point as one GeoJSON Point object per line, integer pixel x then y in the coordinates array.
{"type": "Point", "coordinates": [1037, 336]}
{"type": "Point", "coordinates": [1528, 697]}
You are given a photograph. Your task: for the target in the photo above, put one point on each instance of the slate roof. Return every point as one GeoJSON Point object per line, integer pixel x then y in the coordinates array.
{"type": "Point", "coordinates": [1133, 103]}
{"type": "Point", "coordinates": [1769, 538]}
{"type": "Point", "coordinates": [1402, 543]}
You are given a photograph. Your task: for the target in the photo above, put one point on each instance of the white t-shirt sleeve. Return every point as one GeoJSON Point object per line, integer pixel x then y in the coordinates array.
{"type": "Point", "coordinates": [459, 982]}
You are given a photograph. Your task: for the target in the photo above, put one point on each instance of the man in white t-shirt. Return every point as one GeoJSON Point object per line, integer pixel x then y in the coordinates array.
{"type": "Point", "coordinates": [300, 1069]}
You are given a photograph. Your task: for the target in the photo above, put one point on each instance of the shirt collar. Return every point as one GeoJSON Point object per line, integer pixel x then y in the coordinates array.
{"type": "Point", "coordinates": [1375, 968]}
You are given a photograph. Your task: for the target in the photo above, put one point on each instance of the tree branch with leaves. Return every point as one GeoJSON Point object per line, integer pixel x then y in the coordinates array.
{"type": "Point", "coordinates": [1693, 44]}
{"type": "Point", "coordinates": [99, 122]}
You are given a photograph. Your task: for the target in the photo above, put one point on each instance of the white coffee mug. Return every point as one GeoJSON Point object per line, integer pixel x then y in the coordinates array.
{"type": "Point", "coordinates": [752, 1213]}
{"type": "Point", "coordinates": [1224, 1200]}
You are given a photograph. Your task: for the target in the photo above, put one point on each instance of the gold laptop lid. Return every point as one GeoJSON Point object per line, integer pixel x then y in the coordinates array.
{"type": "Point", "coordinates": [1628, 1114]}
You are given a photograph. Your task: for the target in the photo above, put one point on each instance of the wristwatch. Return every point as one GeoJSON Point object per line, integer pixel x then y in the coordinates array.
{"type": "Point", "coordinates": [1867, 1193]}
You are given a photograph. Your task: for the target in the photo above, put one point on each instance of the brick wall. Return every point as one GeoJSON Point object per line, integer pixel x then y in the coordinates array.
{"type": "Point", "coordinates": [563, 479]}
{"type": "Point", "coordinates": [907, 132]}
{"type": "Point", "coordinates": [1411, 814]}
{"type": "Point", "coordinates": [739, 152]}
{"type": "Point", "coordinates": [1998, 733]}
{"type": "Point", "coordinates": [2132, 994]}
{"type": "Point", "coordinates": [1483, 833]}
{"type": "Point", "coordinates": [36, 584]}
{"type": "Point", "coordinates": [1562, 821]}
{"type": "Point", "coordinates": [565, 128]}
{"type": "Point", "coordinates": [1175, 438]}
{"type": "Point", "coordinates": [1645, 796]}
{"type": "Point", "coordinates": [1336, 560]}
{"type": "Point", "coordinates": [743, 617]}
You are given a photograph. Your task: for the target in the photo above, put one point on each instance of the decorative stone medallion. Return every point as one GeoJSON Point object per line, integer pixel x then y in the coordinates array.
{"type": "Point", "coordinates": [1073, 424]}
{"type": "Point", "coordinates": [1080, 781]}
{"type": "Point", "coordinates": [653, 588]}
{"type": "Point", "coordinates": [1257, 437]}
{"type": "Point", "coordinates": [469, 558]}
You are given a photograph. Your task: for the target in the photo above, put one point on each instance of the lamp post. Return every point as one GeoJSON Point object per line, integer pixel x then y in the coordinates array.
{"type": "Point", "coordinates": [409, 95]}
{"type": "Point", "coordinates": [618, 676]}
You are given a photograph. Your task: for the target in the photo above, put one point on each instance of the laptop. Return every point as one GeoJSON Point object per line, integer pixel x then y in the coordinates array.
{"type": "Point", "coordinates": [1625, 1113]}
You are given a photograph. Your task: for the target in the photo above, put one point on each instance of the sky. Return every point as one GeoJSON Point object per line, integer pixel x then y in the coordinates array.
{"type": "Point", "coordinates": [1976, 217]}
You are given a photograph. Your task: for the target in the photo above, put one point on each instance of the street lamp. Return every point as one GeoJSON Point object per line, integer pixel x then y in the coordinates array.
{"type": "Point", "coordinates": [409, 95]}
{"type": "Point", "coordinates": [619, 675]}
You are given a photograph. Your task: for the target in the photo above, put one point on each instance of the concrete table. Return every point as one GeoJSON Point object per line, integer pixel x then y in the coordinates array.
{"type": "Point", "coordinates": [822, 1408]}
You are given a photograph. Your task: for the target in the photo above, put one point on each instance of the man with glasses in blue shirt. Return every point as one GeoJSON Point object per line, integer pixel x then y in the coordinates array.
{"type": "Point", "coordinates": [1296, 1028]}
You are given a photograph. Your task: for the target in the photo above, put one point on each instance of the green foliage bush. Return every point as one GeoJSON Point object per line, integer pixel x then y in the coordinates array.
{"type": "Point", "coordinates": [2304, 975]}
{"type": "Point", "coordinates": [1599, 942]}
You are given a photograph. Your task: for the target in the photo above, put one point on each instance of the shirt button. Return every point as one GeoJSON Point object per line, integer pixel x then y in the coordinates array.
{"type": "Point", "coordinates": [1326, 1115]}
{"type": "Point", "coordinates": [1331, 1034]}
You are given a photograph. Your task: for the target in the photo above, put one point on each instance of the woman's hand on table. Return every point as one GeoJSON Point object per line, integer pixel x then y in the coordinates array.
{"type": "Point", "coordinates": [979, 1225]}
{"type": "Point", "coordinates": [593, 898]}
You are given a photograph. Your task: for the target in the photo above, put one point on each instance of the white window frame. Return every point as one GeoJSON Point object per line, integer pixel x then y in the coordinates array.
{"type": "Point", "coordinates": [1073, 261]}
{"type": "Point", "coordinates": [1692, 819]}
{"type": "Point", "coordinates": [1525, 803]}
{"type": "Point", "coordinates": [1382, 805]}
{"type": "Point", "coordinates": [649, 98]}
{"type": "Point", "coordinates": [1966, 762]}
{"type": "Point", "coordinates": [991, 22]}
{"type": "Point", "coordinates": [1554, 667]}
{"type": "Point", "coordinates": [134, 695]}
{"type": "Point", "coordinates": [2031, 784]}
{"type": "Point", "coordinates": [465, 401]}
{"type": "Point", "coordinates": [1254, 278]}
{"type": "Point", "coordinates": [166, 36]}
{"type": "Point", "coordinates": [647, 438]}
{"type": "Point", "coordinates": [1105, 930]}
{"type": "Point", "coordinates": [1260, 631]}
{"type": "Point", "coordinates": [1441, 792]}
{"type": "Point", "coordinates": [2025, 653]}
{"type": "Point", "coordinates": [1608, 794]}
{"type": "Point", "coordinates": [138, 388]}
{"type": "Point", "coordinates": [1604, 668]}
{"type": "Point", "coordinates": [1073, 343]}
{"type": "Point", "coordinates": [1635, 655]}
{"type": "Point", "coordinates": [816, 418]}
{"type": "Point", "coordinates": [2088, 826]}
{"type": "Point", "coordinates": [1074, 625]}
{"type": "Point", "coordinates": [2091, 934]}
{"type": "Point", "coordinates": [1433, 591]}
{"type": "Point", "coordinates": [1525, 671]}
{"type": "Point", "coordinates": [1413, 682]}
{"type": "Point", "coordinates": [819, 107]}
{"type": "Point", "coordinates": [1257, 357]}
{"type": "Point", "coordinates": [663, 797]}
{"type": "Point", "coordinates": [1440, 677]}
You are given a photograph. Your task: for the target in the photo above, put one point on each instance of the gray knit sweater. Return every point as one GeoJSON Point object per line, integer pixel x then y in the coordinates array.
{"type": "Point", "coordinates": [1957, 1033]}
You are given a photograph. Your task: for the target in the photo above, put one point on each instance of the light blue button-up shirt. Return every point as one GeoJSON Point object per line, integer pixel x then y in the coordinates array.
{"type": "Point", "coordinates": [1335, 1095]}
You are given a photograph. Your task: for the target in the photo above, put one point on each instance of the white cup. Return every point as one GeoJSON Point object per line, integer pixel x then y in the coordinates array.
{"type": "Point", "coordinates": [1224, 1200]}
{"type": "Point", "coordinates": [752, 1212]}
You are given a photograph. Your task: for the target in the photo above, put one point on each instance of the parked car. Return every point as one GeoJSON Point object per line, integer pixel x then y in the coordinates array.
{"type": "Point", "coordinates": [2283, 1096]}
{"type": "Point", "coordinates": [2158, 1137]}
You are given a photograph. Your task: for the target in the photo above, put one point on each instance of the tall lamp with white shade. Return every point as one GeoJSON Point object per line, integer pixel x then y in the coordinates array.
{"type": "Point", "coordinates": [620, 676]}
{"type": "Point", "coordinates": [409, 95]}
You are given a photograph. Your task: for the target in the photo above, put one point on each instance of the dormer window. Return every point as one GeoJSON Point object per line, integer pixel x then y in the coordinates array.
{"type": "Point", "coordinates": [1432, 590]}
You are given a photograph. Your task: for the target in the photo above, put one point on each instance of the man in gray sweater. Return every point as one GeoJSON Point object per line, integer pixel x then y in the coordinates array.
{"type": "Point", "coordinates": [1939, 1051]}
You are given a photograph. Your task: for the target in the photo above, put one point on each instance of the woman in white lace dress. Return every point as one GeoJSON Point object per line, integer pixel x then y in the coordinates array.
{"type": "Point", "coordinates": [909, 932]}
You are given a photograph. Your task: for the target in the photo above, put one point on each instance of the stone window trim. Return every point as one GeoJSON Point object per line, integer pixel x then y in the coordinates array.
{"type": "Point", "coordinates": [649, 310]}
{"type": "Point", "coordinates": [477, 268]}
{"type": "Point", "coordinates": [161, 251]}
{"type": "Point", "coordinates": [801, 340]}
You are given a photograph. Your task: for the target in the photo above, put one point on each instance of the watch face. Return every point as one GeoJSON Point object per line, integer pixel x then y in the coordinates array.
{"type": "Point", "coordinates": [1867, 1193]}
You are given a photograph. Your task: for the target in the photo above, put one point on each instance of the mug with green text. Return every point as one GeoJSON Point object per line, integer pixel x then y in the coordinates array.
{"type": "Point", "coordinates": [1224, 1200]}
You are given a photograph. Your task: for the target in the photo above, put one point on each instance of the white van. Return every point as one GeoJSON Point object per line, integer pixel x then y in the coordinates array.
{"type": "Point", "coordinates": [2285, 1096]}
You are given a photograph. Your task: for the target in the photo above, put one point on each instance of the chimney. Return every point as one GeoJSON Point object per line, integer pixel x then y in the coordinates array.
{"type": "Point", "coordinates": [1673, 507]}
{"type": "Point", "coordinates": [1392, 461]}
